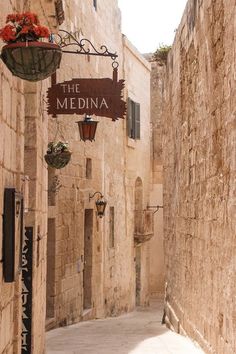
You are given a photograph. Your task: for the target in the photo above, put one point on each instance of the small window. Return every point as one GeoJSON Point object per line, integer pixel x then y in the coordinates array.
{"type": "Point", "coordinates": [88, 168]}
{"type": "Point", "coordinates": [112, 227]}
{"type": "Point", "coordinates": [95, 4]}
{"type": "Point", "coordinates": [133, 119]}
{"type": "Point", "coordinates": [60, 14]}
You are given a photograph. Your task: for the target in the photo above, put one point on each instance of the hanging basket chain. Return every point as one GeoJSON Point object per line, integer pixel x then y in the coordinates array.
{"type": "Point", "coordinates": [58, 131]}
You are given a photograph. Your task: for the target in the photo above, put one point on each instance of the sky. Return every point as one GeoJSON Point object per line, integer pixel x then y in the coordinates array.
{"type": "Point", "coordinates": [151, 23]}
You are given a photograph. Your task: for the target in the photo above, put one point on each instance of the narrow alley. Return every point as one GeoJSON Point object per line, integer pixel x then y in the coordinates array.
{"type": "Point", "coordinates": [117, 177]}
{"type": "Point", "coordinates": [139, 332]}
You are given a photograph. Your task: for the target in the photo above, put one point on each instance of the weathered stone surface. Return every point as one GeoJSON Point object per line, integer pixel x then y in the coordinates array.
{"type": "Point", "coordinates": [11, 172]}
{"type": "Point", "coordinates": [113, 276]}
{"type": "Point", "coordinates": [157, 272]}
{"type": "Point", "coordinates": [117, 163]}
{"type": "Point", "coordinates": [199, 175]}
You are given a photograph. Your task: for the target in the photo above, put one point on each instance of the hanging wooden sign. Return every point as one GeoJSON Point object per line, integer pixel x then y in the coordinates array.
{"type": "Point", "coordinates": [101, 97]}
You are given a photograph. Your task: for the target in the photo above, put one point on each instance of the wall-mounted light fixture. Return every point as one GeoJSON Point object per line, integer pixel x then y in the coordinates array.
{"type": "Point", "coordinates": [87, 128]}
{"type": "Point", "coordinates": [157, 207]}
{"type": "Point", "coordinates": [100, 204]}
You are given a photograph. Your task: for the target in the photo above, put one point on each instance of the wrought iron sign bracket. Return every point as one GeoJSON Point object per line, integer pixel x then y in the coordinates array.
{"type": "Point", "coordinates": [100, 96]}
{"type": "Point", "coordinates": [84, 46]}
{"type": "Point", "coordinates": [157, 207]}
{"type": "Point", "coordinates": [93, 195]}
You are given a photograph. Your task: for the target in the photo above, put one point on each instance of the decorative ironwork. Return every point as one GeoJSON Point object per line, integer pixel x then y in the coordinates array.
{"type": "Point", "coordinates": [157, 207]}
{"type": "Point", "coordinates": [84, 46]}
{"type": "Point", "coordinates": [93, 195]}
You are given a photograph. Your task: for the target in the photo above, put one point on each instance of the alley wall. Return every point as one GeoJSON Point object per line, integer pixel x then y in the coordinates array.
{"type": "Point", "coordinates": [199, 176]}
{"type": "Point", "coordinates": [157, 271]}
{"type": "Point", "coordinates": [107, 165]}
{"type": "Point", "coordinates": [22, 167]}
{"type": "Point", "coordinates": [11, 175]}
{"type": "Point", "coordinates": [83, 267]}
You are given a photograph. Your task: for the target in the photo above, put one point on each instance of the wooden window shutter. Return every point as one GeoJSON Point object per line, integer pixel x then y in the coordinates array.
{"type": "Point", "coordinates": [129, 118]}
{"type": "Point", "coordinates": [95, 4]}
{"type": "Point", "coordinates": [137, 120]}
{"type": "Point", "coordinates": [60, 14]}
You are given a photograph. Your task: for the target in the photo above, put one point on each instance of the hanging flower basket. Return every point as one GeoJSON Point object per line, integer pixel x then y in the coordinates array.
{"type": "Point", "coordinates": [32, 61]}
{"type": "Point", "coordinates": [58, 155]}
{"type": "Point", "coordinates": [25, 55]}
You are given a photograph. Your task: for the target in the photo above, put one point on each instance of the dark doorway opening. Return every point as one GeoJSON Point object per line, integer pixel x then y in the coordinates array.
{"type": "Point", "coordinates": [88, 258]}
{"type": "Point", "coordinates": [50, 291]}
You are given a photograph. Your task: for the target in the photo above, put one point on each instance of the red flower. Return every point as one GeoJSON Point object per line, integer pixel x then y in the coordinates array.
{"type": "Point", "coordinates": [30, 18]}
{"type": "Point", "coordinates": [41, 31]}
{"type": "Point", "coordinates": [25, 30]}
{"type": "Point", "coordinates": [8, 33]}
{"type": "Point", "coordinates": [23, 27]}
{"type": "Point", "coordinates": [11, 18]}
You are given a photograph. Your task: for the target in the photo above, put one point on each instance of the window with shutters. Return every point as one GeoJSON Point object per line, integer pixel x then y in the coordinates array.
{"type": "Point", "coordinates": [60, 14]}
{"type": "Point", "coordinates": [133, 119]}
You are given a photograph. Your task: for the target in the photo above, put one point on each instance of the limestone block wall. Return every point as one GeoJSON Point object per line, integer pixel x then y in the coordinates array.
{"type": "Point", "coordinates": [157, 273]}
{"type": "Point", "coordinates": [36, 170]}
{"type": "Point", "coordinates": [199, 174]}
{"type": "Point", "coordinates": [111, 267]}
{"type": "Point", "coordinates": [23, 144]}
{"type": "Point", "coordinates": [137, 158]}
{"type": "Point", "coordinates": [11, 175]}
{"type": "Point", "coordinates": [106, 287]}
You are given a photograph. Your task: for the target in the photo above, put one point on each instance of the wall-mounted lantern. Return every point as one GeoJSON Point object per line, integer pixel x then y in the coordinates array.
{"type": "Point", "coordinates": [87, 128]}
{"type": "Point", "coordinates": [100, 204]}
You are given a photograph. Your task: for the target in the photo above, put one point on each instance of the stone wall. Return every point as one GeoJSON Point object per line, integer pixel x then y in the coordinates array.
{"type": "Point", "coordinates": [69, 239]}
{"type": "Point", "coordinates": [111, 270]}
{"type": "Point", "coordinates": [36, 170]}
{"type": "Point", "coordinates": [199, 176]}
{"type": "Point", "coordinates": [11, 175]}
{"type": "Point", "coordinates": [157, 273]}
{"type": "Point", "coordinates": [23, 143]}
{"type": "Point", "coordinates": [137, 76]}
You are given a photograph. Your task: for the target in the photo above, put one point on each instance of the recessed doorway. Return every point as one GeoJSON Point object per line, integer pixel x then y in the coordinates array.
{"type": "Point", "coordinates": [88, 259]}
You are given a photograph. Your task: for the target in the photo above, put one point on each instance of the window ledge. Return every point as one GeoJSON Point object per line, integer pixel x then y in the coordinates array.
{"type": "Point", "coordinates": [131, 143]}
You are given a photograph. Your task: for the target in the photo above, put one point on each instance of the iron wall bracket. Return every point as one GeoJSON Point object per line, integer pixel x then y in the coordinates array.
{"type": "Point", "coordinates": [84, 46]}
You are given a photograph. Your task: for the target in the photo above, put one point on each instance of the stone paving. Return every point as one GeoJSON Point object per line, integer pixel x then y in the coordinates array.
{"type": "Point", "coordinates": [139, 332]}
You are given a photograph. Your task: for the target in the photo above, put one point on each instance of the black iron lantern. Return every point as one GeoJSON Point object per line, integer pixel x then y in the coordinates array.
{"type": "Point", "coordinates": [87, 128]}
{"type": "Point", "coordinates": [32, 61]}
{"type": "Point", "coordinates": [100, 203]}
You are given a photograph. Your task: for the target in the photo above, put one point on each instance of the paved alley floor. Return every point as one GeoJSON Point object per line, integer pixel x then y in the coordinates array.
{"type": "Point", "coordinates": [139, 332]}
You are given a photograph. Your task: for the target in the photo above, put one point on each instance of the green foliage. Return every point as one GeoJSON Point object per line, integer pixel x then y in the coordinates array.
{"type": "Point", "coordinates": [58, 147]}
{"type": "Point", "coordinates": [161, 53]}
